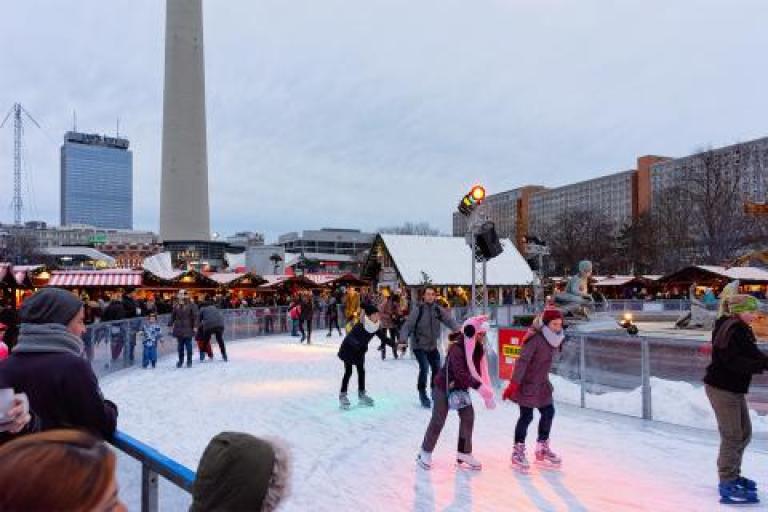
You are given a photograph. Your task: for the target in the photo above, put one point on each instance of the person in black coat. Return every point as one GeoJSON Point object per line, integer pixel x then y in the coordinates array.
{"type": "Point", "coordinates": [307, 303]}
{"type": "Point", "coordinates": [48, 365]}
{"type": "Point", "coordinates": [352, 352]}
{"type": "Point", "coordinates": [735, 358]}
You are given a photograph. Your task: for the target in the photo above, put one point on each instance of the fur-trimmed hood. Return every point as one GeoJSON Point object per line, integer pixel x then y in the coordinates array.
{"type": "Point", "coordinates": [239, 472]}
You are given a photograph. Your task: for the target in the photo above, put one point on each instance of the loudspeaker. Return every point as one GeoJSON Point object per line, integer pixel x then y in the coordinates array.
{"type": "Point", "coordinates": [487, 241]}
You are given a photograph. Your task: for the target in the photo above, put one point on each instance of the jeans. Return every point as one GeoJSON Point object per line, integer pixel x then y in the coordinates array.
{"type": "Point", "coordinates": [526, 416]}
{"type": "Point", "coordinates": [306, 334]}
{"type": "Point", "coordinates": [439, 414]}
{"type": "Point", "coordinates": [735, 429]}
{"type": "Point", "coordinates": [333, 322]}
{"type": "Point", "coordinates": [429, 360]}
{"type": "Point", "coordinates": [184, 343]}
{"type": "Point", "coordinates": [348, 373]}
{"type": "Point", "coordinates": [149, 356]}
{"type": "Point", "coordinates": [388, 338]}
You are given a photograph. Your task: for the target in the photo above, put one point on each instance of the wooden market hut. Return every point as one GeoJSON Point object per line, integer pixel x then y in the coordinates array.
{"type": "Point", "coordinates": [751, 279]}
{"type": "Point", "coordinates": [408, 262]}
{"type": "Point", "coordinates": [239, 284]}
{"type": "Point", "coordinates": [167, 284]}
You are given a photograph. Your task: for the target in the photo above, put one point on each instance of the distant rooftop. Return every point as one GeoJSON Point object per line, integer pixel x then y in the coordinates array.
{"type": "Point", "coordinates": [94, 139]}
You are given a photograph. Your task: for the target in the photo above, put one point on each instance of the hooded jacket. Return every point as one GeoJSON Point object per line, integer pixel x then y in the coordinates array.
{"type": "Point", "coordinates": [239, 472]}
{"type": "Point", "coordinates": [424, 325]}
{"type": "Point", "coordinates": [735, 356]}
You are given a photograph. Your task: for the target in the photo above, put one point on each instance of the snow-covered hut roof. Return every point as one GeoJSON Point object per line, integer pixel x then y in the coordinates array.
{"type": "Point", "coordinates": [445, 261]}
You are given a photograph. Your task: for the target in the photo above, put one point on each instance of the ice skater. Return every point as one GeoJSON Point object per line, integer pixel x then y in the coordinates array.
{"type": "Point", "coordinates": [352, 352]}
{"type": "Point", "coordinates": [465, 367]}
{"type": "Point", "coordinates": [152, 333]}
{"type": "Point", "coordinates": [735, 358]}
{"type": "Point", "coordinates": [531, 389]}
{"type": "Point", "coordinates": [423, 326]}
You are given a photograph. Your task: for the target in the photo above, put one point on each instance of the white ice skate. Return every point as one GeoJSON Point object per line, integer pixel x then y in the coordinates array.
{"type": "Point", "coordinates": [546, 457]}
{"type": "Point", "coordinates": [519, 459]}
{"type": "Point", "coordinates": [424, 459]}
{"type": "Point", "coordinates": [467, 461]}
{"type": "Point", "coordinates": [344, 401]}
{"type": "Point", "coordinates": [364, 400]}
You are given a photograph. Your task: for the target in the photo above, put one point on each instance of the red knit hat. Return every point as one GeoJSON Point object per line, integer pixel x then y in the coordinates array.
{"type": "Point", "coordinates": [551, 314]}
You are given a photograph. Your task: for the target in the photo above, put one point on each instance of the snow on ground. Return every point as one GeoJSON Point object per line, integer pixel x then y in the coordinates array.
{"type": "Point", "coordinates": [363, 459]}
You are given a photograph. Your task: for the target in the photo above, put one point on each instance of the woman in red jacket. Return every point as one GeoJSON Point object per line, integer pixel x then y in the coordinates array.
{"type": "Point", "coordinates": [531, 389]}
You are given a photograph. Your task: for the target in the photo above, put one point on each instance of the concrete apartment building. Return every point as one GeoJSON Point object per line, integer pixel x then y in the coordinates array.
{"type": "Point", "coordinates": [622, 196]}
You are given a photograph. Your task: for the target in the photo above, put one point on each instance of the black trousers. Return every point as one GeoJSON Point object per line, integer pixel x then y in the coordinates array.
{"type": "Point", "coordinates": [219, 333]}
{"type": "Point", "coordinates": [429, 361]}
{"type": "Point", "coordinates": [388, 337]}
{"type": "Point", "coordinates": [545, 423]}
{"type": "Point", "coordinates": [308, 333]}
{"type": "Point", "coordinates": [348, 374]}
{"type": "Point", "coordinates": [333, 322]}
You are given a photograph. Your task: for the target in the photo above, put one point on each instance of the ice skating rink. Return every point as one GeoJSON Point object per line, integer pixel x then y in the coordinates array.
{"type": "Point", "coordinates": [363, 459]}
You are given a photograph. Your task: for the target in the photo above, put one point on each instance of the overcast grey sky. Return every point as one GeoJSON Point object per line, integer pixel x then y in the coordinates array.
{"type": "Point", "coordinates": [363, 113]}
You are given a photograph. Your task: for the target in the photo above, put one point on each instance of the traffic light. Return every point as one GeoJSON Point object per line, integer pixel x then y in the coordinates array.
{"type": "Point", "coordinates": [470, 201]}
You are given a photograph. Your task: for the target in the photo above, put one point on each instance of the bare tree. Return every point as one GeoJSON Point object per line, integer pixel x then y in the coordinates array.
{"type": "Point", "coordinates": [579, 235]}
{"type": "Point", "coordinates": [637, 245]}
{"type": "Point", "coordinates": [673, 225]}
{"type": "Point", "coordinates": [411, 228]}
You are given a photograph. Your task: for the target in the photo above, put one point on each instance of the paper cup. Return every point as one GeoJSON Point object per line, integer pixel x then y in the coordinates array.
{"type": "Point", "coordinates": [6, 402]}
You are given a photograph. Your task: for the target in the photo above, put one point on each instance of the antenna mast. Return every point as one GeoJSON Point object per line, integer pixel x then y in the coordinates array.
{"type": "Point", "coordinates": [18, 132]}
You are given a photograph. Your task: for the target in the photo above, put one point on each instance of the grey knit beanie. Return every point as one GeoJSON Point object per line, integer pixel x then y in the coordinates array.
{"type": "Point", "coordinates": [50, 306]}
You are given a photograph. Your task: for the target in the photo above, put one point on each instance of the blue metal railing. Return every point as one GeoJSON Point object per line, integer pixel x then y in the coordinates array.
{"type": "Point", "coordinates": [153, 465]}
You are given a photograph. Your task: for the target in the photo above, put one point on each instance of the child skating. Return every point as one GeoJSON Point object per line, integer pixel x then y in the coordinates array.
{"type": "Point", "coordinates": [465, 367]}
{"type": "Point", "coordinates": [152, 334]}
{"type": "Point", "coordinates": [531, 389]}
{"type": "Point", "coordinates": [352, 352]}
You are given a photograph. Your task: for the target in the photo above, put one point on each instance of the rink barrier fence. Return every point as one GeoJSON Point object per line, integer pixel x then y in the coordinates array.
{"type": "Point", "coordinates": [153, 466]}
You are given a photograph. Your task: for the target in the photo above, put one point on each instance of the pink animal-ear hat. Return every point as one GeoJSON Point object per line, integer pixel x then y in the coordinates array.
{"type": "Point", "coordinates": [471, 329]}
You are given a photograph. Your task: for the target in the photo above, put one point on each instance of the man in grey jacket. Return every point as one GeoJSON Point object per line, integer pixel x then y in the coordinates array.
{"type": "Point", "coordinates": [423, 326]}
{"type": "Point", "coordinates": [212, 323]}
{"type": "Point", "coordinates": [184, 322]}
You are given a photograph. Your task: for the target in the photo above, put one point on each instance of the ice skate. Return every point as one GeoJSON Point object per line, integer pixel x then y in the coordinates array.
{"type": "Point", "coordinates": [746, 483]}
{"type": "Point", "coordinates": [344, 401]}
{"type": "Point", "coordinates": [467, 461]}
{"type": "Point", "coordinates": [364, 400]}
{"type": "Point", "coordinates": [425, 401]}
{"type": "Point", "coordinates": [546, 457]}
{"type": "Point", "coordinates": [519, 460]}
{"type": "Point", "coordinates": [731, 493]}
{"type": "Point", "coordinates": [424, 459]}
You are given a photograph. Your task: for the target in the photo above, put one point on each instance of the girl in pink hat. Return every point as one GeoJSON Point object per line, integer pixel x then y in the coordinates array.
{"type": "Point", "coordinates": [465, 367]}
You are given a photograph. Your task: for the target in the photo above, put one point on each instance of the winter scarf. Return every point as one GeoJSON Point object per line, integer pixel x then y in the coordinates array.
{"type": "Point", "coordinates": [471, 329]}
{"type": "Point", "coordinates": [48, 338]}
{"type": "Point", "coordinates": [370, 326]}
{"type": "Point", "coordinates": [555, 339]}
{"type": "Point", "coordinates": [240, 472]}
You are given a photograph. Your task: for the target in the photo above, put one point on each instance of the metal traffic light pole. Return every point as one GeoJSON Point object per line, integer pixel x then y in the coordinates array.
{"type": "Point", "coordinates": [479, 294]}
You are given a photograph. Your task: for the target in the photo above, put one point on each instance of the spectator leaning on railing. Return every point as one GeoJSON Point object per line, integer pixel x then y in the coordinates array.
{"type": "Point", "coordinates": [58, 470]}
{"type": "Point", "coordinates": [48, 366]}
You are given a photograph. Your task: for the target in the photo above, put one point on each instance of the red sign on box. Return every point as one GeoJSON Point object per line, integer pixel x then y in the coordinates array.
{"type": "Point", "coordinates": [510, 346]}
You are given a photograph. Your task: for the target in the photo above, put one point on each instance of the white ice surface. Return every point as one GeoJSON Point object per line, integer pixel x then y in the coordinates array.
{"type": "Point", "coordinates": [363, 459]}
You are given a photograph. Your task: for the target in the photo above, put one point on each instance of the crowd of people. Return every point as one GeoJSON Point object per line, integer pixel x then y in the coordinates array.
{"type": "Point", "coordinates": [54, 419]}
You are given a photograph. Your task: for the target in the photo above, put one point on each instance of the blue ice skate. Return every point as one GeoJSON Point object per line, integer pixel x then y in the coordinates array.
{"type": "Point", "coordinates": [731, 493]}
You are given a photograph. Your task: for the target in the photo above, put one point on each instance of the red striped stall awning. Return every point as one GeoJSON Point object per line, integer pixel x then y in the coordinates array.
{"type": "Point", "coordinates": [96, 278]}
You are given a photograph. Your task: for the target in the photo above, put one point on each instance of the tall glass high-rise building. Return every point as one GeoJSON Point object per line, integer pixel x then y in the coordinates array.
{"type": "Point", "coordinates": [96, 181]}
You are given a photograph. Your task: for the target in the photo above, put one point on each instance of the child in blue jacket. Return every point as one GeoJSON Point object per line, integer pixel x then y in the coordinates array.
{"type": "Point", "coordinates": [153, 333]}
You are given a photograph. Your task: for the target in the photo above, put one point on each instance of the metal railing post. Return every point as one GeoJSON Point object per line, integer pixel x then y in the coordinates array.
{"type": "Point", "coordinates": [582, 371]}
{"type": "Point", "coordinates": [150, 501]}
{"type": "Point", "coordinates": [646, 375]}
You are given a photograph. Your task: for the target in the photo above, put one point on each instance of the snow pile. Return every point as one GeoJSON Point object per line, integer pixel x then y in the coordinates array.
{"type": "Point", "coordinates": [363, 459]}
{"type": "Point", "coordinates": [680, 403]}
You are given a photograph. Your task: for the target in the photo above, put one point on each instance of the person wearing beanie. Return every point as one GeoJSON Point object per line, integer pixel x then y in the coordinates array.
{"type": "Point", "coordinates": [531, 389]}
{"type": "Point", "coordinates": [47, 365]}
{"type": "Point", "coordinates": [735, 358]}
{"type": "Point", "coordinates": [239, 472]}
{"type": "Point", "coordinates": [466, 366]}
{"type": "Point", "coordinates": [352, 353]}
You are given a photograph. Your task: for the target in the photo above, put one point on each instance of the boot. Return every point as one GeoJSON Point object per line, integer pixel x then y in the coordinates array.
{"type": "Point", "coordinates": [364, 400]}
{"type": "Point", "coordinates": [425, 401]}
{"type": "Point", "coordinates": [179, 364]}
{"type": "Point", "coordinates": [466, 460]}
{"type": "Point", "coordinates": [424, 459]}
{"type": "Point", "coordinates": [344, 401]}
{"type": "Point", "coordinates": [519, 460]}
{"type": "Point", "coordinates": [546, 456]}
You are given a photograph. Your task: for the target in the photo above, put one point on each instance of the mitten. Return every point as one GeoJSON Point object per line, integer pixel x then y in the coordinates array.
{"type": "Point", "coordinates": [510, 393]}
